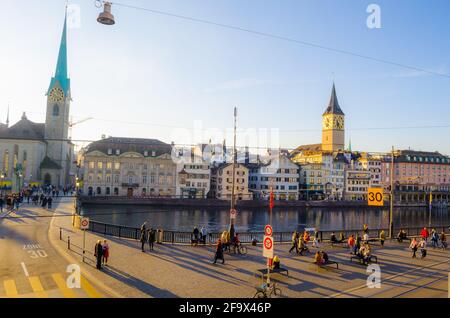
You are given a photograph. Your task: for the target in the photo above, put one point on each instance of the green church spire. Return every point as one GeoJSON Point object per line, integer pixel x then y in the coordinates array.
{"type": "Point", "coordinates": [61, 75]}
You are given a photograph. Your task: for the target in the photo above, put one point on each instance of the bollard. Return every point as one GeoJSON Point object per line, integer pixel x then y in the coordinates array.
{"type": "Point", "coordinates": [68, 243]}
{"type": "Point", "coordinates": [60, 234]}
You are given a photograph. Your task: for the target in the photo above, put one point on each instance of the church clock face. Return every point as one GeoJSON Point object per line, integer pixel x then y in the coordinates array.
{"type": "Point", "coordinates": [339, 122]}
{"type": "Point", "coordinates": [56, 95]}
{"type": "Point", "coordinates": [327, 123]}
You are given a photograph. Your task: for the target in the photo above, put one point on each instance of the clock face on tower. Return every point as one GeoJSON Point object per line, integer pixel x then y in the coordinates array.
{"type": "Point", "coordinates": [56, 94]}
{"type": "Point", "coordinates": [327, 122]}
{"type": "Point", "coordinates": [339, 122]}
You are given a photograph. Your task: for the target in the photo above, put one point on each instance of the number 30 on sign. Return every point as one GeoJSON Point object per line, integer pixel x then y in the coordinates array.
{"type": "Point", "coordinates": [375, 196]}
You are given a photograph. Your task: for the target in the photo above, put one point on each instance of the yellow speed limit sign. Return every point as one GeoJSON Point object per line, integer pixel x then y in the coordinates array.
{"type": "Point", "coordinates": [375, 196]}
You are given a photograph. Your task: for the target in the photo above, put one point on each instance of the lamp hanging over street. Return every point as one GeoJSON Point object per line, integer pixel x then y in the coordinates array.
{"type": "Point", "coordinates": [106, 16]}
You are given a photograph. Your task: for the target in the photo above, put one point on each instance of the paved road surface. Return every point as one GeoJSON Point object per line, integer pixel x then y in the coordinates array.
{"type": "Point", "coordinates": [29, 266]}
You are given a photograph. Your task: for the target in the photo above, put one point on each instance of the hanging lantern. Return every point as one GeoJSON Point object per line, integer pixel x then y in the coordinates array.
{"type": "Point", "coordinates": [106, 17]}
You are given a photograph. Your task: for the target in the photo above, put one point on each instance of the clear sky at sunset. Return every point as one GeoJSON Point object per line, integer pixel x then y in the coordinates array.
{"type": "Point", "coordinates": [151, 75]}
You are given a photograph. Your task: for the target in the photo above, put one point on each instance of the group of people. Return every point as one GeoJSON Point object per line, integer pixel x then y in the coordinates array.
{"type": "Point", "coordinates": [228, 239]}
{"type": "Point", "coordinates": [421, 244]}
{"type": "Point", "coordinates": [42, 200]}
{"type": "Point", "coordinates": [321, 257]}
{"type": "Point", "coordinates": [300, 242]}
{"type": "Point", "coordinates": [12, 201]}
{"type": "Point", "coordinates": [148, 235]}
{"type": "Point", "coordinates": [198, 236]}
{"type": "Point", "coordinates": [101, 253]}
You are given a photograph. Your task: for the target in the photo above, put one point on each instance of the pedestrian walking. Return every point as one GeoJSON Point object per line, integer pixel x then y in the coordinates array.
{"type": "Point", "coordinates": [203, 232]}
{"type": "Point", "coordinates": [443, 239]}
{"type": "Point", "coordinates": [434, 238]}
{"type": "Point", "coordinates": [413, 247]}
{"type": "Point", "coordinates": [195, 234]}
{"type": "Point", "coordinates": [219, 252]}
{"type": "Point", "coordinates": [49, 202]}
{"type": "Point", "coordinates": [424, 234]}
{"type": "Point", "coordinates": [105, 254]}
{"type": "Point", "coordinates": [151, 238]}
{"type": "Point", "coordinates": [98, 253]}
{"type": "Point", "coordinates": [2, 203]}
{"type": "Point", "coordinates": [382, 238]}
{"type": "Point", "coordinates": [423, 248]}
{"type": "Point", "coordinates": [294, 242]}
{"type": "Point", "coordinates": [316, 239]}
{"type": "Point", "coordinates": [143, 239]}
{"type": "Point", "coordinates": [351, 244]}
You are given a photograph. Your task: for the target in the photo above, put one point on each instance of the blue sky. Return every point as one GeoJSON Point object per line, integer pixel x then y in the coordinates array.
{"type": "Point", "coordinates": [150, 73]}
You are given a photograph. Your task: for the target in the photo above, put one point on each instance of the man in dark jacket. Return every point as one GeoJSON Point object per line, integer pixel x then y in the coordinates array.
{"type": "Point", "coordinates": [98, 253]}
{"type": "Point", "coordinates": [219, 252]}
{"type": "Point", "coordinates": [144, 234]}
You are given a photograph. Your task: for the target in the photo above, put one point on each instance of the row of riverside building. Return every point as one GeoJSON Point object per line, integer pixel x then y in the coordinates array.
{"type": "Point", "coordinates": [327, 171]}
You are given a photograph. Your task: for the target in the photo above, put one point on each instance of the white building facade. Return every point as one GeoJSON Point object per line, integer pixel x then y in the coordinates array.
{"type": "Point", "coordinates": [128, 167]}
{"type": "Point", "coordinates": [280, 174]}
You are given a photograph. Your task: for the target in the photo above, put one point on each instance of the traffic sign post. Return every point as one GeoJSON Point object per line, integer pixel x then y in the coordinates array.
{"type": "Point", "coordinates": [268, 246]}
{"type": "Point", "coordinates": [375, 197]}
{"type": "Point", "coordinates": [84, 225]}
{"type": "Point", "coordinates": [233, 213]}
{"type": "Point", "coordinates": [268, 230]}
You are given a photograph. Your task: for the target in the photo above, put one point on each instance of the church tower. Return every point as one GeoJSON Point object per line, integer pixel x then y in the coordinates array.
{"type": "Point", "coordinates": [56, 165]}
{"type": "Point", "coordinates": [333, 133]}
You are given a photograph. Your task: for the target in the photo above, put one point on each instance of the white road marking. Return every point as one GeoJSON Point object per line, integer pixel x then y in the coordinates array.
{"type": "Point", "coordinates": [24, 269]}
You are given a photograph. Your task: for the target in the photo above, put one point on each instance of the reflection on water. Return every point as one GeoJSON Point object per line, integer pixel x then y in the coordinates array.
{"type": "Point", "coordinates": [284, 219]}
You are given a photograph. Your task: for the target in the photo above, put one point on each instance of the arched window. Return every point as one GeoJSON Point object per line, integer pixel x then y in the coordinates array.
{"type": "Point", "coordinates": [116, 191]}
{"type": "Point", "coordinates": [99, 190]}
{"type": "Point", "coordinates": [91, 190]}
{"type": "Point", "coordinates": [108, 191]}
{"type": "Point", "coordinates": [55, 110]}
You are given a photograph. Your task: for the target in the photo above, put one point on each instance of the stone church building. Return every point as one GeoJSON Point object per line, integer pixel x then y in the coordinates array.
{"type": "Point", "coordinates": [41, 153]}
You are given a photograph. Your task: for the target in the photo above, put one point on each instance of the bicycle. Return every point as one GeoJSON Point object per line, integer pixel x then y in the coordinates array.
{"type": "Point", "coordinates": [241, 249]}
{"type": "Point", "coordinates": [267, 290]}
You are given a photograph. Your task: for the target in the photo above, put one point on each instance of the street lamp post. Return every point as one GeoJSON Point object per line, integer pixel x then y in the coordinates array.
{"type": "Point", "coordinates": [18, 170]}
{"type": "Point", "coordinates": [234, 174]}
{"type": "Point", "coordinates": [391, 210]}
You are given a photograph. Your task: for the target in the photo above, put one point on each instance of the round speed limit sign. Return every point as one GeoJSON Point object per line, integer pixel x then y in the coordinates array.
{"type": "Point", "coordinates": [268, 230]}
{"type": "Point", "coordinates": [84, 223]}
{"type": "Point", "coordinates": [268, 247]}
{"type": "Point", "coordinates": [268, 243]}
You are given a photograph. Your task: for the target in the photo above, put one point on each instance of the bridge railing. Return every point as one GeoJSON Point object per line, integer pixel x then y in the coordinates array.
{"type": "Point", "coordinates": [180, 237]}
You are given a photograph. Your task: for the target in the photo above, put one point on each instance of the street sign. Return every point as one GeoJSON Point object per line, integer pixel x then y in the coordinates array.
{"type": "Point", "coordinates": [233, 213]}
{"type": "Point", "coordinates": [375, 196]}
{"type": "Point", "coordinates": [84, 224]}
{"type": "Point", "coordinates": [268, 230]}
{"type": "Point", "coordinates": [268, 247]}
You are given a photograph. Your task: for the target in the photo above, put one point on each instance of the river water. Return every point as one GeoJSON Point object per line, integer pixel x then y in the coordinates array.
{"type": "Point", "coordinates": [283, 219]}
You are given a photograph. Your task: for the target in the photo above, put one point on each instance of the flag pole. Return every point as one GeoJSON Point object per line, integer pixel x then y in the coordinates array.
{"type": "Point", "coordinates": [270, 223]}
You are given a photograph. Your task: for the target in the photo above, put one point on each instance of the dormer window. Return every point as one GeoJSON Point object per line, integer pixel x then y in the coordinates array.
{"type": "Point", "coordinates": [117, 151]}
{"type": "Point", "coordinates": [153, 153]}
{"type": "Point", "coordinates": [109, 151]}
{"type": "Point", "coordinates": [145, 153]}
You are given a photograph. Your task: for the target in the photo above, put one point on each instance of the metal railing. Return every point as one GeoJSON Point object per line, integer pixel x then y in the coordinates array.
{"type": "Point", "coordinates": [179, 237]}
